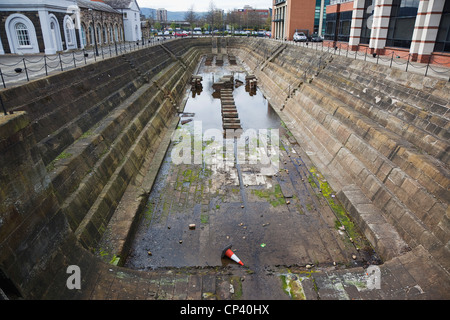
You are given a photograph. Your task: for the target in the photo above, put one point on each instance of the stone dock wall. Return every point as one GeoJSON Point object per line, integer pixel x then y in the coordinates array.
{"type": "Point", "coordinates": [80, 152]}
{"type": "Point", "coordinates": [380, 136]}
{"type": "Point", "coordinates": [76, 144]}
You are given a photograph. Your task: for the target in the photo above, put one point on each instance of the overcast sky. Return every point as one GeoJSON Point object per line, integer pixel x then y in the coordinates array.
{"type": "Point", "coordinates": [203, 5]}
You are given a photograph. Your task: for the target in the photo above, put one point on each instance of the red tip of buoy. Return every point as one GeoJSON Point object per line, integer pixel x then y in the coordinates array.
{"type": "Point", "coordinates": [230, 254]}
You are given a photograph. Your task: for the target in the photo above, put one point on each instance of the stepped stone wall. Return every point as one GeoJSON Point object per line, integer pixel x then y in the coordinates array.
{"type": "Point", "coordinates": [76, 143]}
{"type": "Point", "coordinates": [80, 145]}
{"type": "Point", "coordinates": [379, 135]}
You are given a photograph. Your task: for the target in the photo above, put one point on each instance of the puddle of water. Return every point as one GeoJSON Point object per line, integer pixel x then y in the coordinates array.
{"type": "Point", "coordinates": [204, 106]}
{"type": "Point", "coordinates": [158, 238]}
{"type": "Point", "coordinates": [254, 110]}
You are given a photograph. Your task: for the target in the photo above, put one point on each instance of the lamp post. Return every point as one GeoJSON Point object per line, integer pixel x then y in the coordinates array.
{"type": "Point", "coordinates": [93, 29]}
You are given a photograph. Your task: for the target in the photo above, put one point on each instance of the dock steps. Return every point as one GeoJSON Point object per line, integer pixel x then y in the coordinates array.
{"type": "Point", "coordinates": [230, 116]}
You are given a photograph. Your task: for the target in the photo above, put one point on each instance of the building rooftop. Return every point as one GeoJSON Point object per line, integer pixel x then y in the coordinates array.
{"type": "Point", "coordinates": [96, 5]}
{"type": "Point", "coordinates": [119, 4]}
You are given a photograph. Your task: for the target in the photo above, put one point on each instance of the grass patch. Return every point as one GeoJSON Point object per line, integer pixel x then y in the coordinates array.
{"type": "Point", "coordinates": [61, 156]}
{"type": "Point", "coordinates": [204, 218]}
{"type": "Point", "coordinates": [274, 197]}
{"type": "Point", "coordinates": [86, 134]}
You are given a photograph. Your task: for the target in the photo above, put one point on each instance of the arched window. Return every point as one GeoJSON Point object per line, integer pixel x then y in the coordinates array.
{"type": "Point", "coordinates": [68, 32]}
{"type": "Point", "coordinates": [104, 34]}
{"type": "Point", "coordinates": [21, 34]}
{"type": "Point", "coordinates": [23, 37]}
{"type": "Point", "coordinates": [91, 35]}
{"type": "Point", "coordinates": [99, 33]}
{"type": "Point", "coordinates": [83, 35]}
{"type": "Point", "coordinates": [116, 33]}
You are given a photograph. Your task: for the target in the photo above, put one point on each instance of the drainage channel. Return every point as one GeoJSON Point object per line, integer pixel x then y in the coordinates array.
{"type": "Point", "coordinates": [199, 206]}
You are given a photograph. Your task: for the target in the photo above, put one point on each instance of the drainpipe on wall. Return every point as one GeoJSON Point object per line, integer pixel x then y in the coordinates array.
{"type": "Point", "coordinates": [322, 5]}
{"type": "Point", "coordinates": [123, 27]}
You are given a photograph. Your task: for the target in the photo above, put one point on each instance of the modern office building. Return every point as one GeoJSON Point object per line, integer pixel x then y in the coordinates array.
{"type": "Point", "coordinates": [417, 29]}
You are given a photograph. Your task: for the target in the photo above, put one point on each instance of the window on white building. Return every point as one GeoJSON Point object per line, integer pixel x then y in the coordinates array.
{"type": "Point", "coordinates": [69, 32]}
{"type": "Point", "coordinates": [23, 37]}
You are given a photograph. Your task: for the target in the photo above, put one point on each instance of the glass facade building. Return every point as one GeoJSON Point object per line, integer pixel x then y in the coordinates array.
{"type": "Point", "coordinates": [422, 27]}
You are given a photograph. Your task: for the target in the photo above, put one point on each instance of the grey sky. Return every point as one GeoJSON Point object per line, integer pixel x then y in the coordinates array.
{"type": "Point", "coordinates": [203, 5]}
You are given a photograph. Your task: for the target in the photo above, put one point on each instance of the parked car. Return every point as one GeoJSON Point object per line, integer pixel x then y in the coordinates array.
{"type": "Point", "coordinates": [316, 38]}
{"type": "Point", "coordinates": [180, 34]}
{"type": "Point", "coordinates": [300, 36]}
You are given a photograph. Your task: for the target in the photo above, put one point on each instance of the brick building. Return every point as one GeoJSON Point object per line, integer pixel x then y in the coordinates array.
{"type": "Point", "coordinates": [250, 18]}
{"type": "Point", "coordinates": [416, 29]}
{"type": "Point", "coordinates": [107, 21]}
{"type": "Point", "coordinates": [302, 15]}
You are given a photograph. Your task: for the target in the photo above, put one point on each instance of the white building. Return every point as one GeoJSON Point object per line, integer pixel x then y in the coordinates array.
{"type": "Point", "coordinates": [49, 26]}
{"type": "Point", "coordinates": [131, 17]}
{"type": "Point", "coordinates": [38, 26]}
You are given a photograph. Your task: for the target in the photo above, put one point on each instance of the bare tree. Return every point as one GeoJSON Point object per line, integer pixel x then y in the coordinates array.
{"type": "Point", "coordinates": [191, 17]}
{"type": "Point", "coordinates": [232, 19]}
{"type": "Point", "coordinates": [210, 15]}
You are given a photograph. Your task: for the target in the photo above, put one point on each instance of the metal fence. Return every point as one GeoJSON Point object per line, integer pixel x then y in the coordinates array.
{"type": "Point", "coordinates": [19, 69]}
{"type": "Point", "coordinates": [435, 66]}
{"type": "Point", "coordinates": [16, 70]}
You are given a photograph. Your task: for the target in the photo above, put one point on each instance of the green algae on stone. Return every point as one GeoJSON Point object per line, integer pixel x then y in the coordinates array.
{"type": "Point", "coordinates": [275, 197]}
{"type": "Point", "coordinates": [292, 285]}
{"type": "Point", "coordinates": [343, 219]}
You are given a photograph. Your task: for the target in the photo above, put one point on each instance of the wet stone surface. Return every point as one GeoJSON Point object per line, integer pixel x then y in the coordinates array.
{"type": "Point", "coordinates": [280, 213]}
